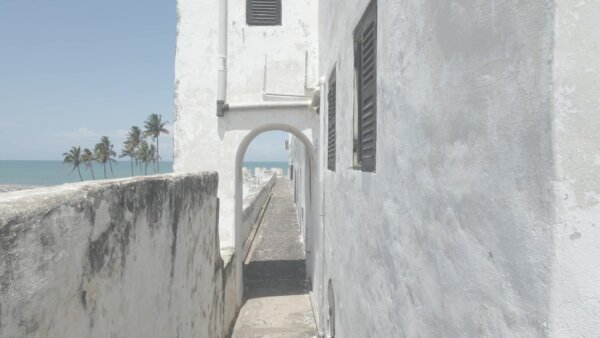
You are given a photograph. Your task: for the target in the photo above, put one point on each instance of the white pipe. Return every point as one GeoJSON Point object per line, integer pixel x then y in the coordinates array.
{"type": "Point", "coordinates": [268, 105]}
{"type": "Point", "coordinates": [222, 58]}
{"type": "Point", "coordinates": [322, 157]}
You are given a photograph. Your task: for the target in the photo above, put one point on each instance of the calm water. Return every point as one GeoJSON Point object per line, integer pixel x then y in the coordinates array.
{"type": "Point", "coordinates": [55, 172]}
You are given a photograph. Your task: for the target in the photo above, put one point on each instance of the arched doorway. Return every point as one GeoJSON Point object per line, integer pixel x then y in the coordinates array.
{"type": "Point", "coordinates": [309, 190]}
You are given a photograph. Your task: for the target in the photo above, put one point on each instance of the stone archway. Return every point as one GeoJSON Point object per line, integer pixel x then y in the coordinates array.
{"type": "Point", "coordinates": [310, 189]}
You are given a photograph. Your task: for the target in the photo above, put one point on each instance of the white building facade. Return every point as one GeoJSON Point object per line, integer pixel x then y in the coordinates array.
{"type": "Point", "coordinates": [445, 157]}
{"type": "Point", "coordinates": [235, 80]}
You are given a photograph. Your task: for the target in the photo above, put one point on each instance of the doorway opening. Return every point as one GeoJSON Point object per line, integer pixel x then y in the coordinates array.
{"type": "Point", "coordinates": [273, 271]}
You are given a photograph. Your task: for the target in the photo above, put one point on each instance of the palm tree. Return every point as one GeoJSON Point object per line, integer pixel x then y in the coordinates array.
{"type": "Point", "coordinates": [154, 127]}
{"type": "Point", "coordinates": [152, 156]}
{"type": "Point", "coordinates": [88, 159]}
{"type": "Point", "coordinates": [128, 150]}
{"type": "Point", "coordinates": [144, 155]}
{"type": "Point", "coordinates": [110, 152]}
{"type": "Point", "coordinates": [101, 155]}
{"type": "Point", "coordinates": [134, 138]}
{"type": "Point", "coordinates": [74, 157]}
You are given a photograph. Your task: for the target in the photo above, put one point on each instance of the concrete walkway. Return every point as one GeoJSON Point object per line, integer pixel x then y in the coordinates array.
{"type": "Point", "coordinates": [277, 303]}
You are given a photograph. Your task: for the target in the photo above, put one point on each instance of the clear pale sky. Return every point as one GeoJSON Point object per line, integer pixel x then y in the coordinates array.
{"type": "Point", "coordinates": [74, 70]}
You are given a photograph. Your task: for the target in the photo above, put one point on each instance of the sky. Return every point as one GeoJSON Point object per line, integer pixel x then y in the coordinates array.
{"type": "Point", "coordinates": [72, 71]}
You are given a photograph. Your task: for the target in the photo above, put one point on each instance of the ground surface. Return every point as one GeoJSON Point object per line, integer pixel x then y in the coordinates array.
{"type": "Point", "coordinates": [277, 303]}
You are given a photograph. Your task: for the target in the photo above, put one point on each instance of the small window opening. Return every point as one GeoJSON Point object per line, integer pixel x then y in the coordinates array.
{"type": "Point", "coordinates": [263, 12]}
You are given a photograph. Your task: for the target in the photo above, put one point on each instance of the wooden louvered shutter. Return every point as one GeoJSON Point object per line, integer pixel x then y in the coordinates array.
{"type": "Point", "coordinates": [331, 109]}
{"type": "Point", "coordinates": [263, 12]}
{"type": "Point", "coordinates": [365, 40]}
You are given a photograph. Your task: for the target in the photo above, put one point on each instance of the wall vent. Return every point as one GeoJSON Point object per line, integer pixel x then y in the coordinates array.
{"type": "Point", "coordinates": [365, 57]}
{"type": "Point", "coordinates": [263, 12]}
{"type": "Point", "coordinates": [331, 109]}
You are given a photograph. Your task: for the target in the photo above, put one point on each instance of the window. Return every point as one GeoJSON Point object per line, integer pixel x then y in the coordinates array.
{"type": "Point", "coordinates": [331, 123]}
{"type": "Point", "coordinates": [263, 12]}
{"type": "Point", "coordinates": [365, 64]}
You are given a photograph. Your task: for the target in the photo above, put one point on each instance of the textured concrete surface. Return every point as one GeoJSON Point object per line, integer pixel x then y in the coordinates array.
{"type": "Point", "coordinates": [453, 234]}
{"type": "Point", "coordinates": [576, 272]}
{"type": "Point", "coordinates": [277, 303]}
{"type": "Point", "coordinates": [119, 258]}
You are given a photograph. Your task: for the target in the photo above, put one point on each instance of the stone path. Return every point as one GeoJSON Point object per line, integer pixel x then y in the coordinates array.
{"type": "Point", "coordinates": [277, 303]}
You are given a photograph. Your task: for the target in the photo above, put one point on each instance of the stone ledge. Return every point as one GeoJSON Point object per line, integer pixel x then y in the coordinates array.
{"type": "Point", "coordinates": [23, 204]}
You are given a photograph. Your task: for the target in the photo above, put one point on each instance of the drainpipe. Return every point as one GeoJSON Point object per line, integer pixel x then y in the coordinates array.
{"type": "Point", "coordinates": [222, 59]}
{"type": "Point", "coordinates": [323, 160]}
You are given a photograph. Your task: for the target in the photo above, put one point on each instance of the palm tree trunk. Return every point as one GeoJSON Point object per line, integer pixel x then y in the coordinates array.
{"type": "Point", "coordinates": [131, 165]}
{"type": "Point", "coordinates": [79, 172]}
{"type": "Point", "coordinates": [146, 169]}
{"type": "Point", "coordinates": [92, 168]}
{"type": "Point", "coordinates": [111, 170]}
{"type": "Point", "coordinates": [104, 170]}
{"type": "Point", "coordinates": [157, 157]}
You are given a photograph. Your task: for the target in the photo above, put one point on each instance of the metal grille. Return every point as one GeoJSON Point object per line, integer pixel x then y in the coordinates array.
{"type": "Point", "coordinates": [263, 12]}
{"type": "Point", "coordinates": [365, 54]}
{"type": "Point", "coordinates": [331, 123]}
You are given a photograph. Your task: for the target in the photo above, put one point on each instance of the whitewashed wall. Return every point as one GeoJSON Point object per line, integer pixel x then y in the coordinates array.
{"type": "Point", "coordinates": [454, 234]}
{"type": "Point", "coordinates": [122, 258]}
{"type": "Point", "coordinates": [576, 272]}
{"type": "Point", "coordinates": [202, 140]}
{"type": "Point", "coordinates": [298, 159]}
{"type": "Point", "coordinates": [253, 205]}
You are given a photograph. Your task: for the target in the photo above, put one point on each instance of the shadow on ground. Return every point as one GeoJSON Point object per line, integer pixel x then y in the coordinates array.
{"type": "Point", "coordinates": [275, 278]}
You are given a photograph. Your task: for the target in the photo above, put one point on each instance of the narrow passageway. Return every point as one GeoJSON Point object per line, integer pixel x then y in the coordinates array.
{"type": "Point", "coordinates": [276, 293]}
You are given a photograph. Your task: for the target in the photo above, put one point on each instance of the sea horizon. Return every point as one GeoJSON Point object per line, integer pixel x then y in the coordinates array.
{"type": "Point", "coordinates": [55, 172]}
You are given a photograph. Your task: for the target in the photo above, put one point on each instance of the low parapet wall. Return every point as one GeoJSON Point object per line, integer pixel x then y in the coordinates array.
{"type": "Point", "coordinates": [254, 203]}
{"type": "Point", "coordinates": [122, 258]}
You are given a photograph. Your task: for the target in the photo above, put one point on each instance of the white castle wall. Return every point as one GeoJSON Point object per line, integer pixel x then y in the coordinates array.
{"type": "Point", "coordinates": [481, 218]}
{"type": "Point", "coordinates": [202, 140]}
{"type": "Point", "coordinates": [120, 258]}
{"type": "Point", "coordinates": [253, 205]}
{"type": "Point", "coordinates": [576, 126]}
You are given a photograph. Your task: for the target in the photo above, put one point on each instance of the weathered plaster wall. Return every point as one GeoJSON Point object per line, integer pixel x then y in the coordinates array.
{"type": "Point", "coordinates": [202, 140]}
{"type": "Point", "coordinates": [297, 158]}
{"type": "Point", "coordinates": [122, 258]}
{"type": "Point", "coordinates": [576, 274]}
{"type": "Point", "coordinates": [253, 205]}
{"type": "Point", "coordinates": [453, 234]}
{"type": "Point", "coordinates": [282, 49]}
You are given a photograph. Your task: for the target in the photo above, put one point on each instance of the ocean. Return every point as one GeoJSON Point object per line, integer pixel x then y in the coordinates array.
{"type": "Point", "coordinates": [45, 173]}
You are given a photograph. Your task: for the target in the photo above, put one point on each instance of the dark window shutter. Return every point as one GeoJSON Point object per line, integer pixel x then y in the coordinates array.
{"type": "Point", "coordinates": [331, 109]}
{"type": "Point", "coordinates": [263, 12]}
{"type": "Point", "coordinates": [365, 40]}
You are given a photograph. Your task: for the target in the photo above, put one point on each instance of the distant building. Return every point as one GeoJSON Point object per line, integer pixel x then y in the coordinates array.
{"type": "Point", "coordinates": [444, 155]}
